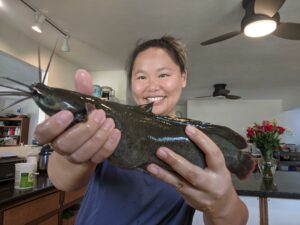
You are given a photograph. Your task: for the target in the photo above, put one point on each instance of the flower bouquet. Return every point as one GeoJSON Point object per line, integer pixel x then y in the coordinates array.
{"type": "Point", "coordinates": [266, 137]}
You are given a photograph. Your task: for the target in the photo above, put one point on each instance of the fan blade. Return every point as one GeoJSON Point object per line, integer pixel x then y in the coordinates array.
{"type": "Point", "coordinates": [232, 97]}
{"type": "Point", "coordinates": [208, 96]}
{"type": "Point", "coordinates": [221, 38]}
{"type": "Point", "coordinates": [290, 31]}
{"type": "Point", "coordinates": [267, 7]}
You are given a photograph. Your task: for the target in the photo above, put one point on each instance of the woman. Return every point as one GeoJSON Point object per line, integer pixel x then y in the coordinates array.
{"type": "Point", "coordinates": [157, 73]}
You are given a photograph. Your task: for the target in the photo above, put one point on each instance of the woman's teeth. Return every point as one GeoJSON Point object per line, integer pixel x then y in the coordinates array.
{"type": "Point", "coordinates": [154, 99]}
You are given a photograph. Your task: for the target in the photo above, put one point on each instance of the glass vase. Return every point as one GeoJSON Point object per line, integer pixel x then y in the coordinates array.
{"type": "Point", "coordinates": [267, 164]}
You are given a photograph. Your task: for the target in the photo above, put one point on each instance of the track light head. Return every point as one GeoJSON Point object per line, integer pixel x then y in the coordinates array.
{"type": "Point", "coordinates": [39, 21]}
{"type": "Point", "coordinates": [65, 46]}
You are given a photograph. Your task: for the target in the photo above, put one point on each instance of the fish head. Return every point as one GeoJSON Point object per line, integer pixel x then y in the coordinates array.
{"type": "Point", "coordinates": [52, 100]}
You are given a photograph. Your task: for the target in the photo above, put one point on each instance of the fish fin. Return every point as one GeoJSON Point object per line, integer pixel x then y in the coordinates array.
{"type": "Point", "coordinates": [246, 167]}
{"type": "Point", "coordinates": [89, 107]}
{"type": "Point", "coordinates": [146, 108]}
{"type": "Point", "coordinates": [222, 131]}
{"type": "Point", "coordinates": [227, 133]}
{"type": "Point", "coordinates": [82, 116]}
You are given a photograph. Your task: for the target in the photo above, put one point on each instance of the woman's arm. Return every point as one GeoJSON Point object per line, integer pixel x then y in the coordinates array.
{"type": "Point", "coordinates": [80, 148]}
{"type": "Point", "coordinates": [209, 190]}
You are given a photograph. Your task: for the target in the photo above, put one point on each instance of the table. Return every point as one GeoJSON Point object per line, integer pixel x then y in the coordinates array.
{"type": "Point", "coordinates": [284, 185]}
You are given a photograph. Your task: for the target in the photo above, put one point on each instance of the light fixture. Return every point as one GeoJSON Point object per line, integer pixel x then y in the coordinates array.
{"type": "Point", "coordinates": [257, 25]}
{"type": "Point", "coordinates": [260, 28]}
{"type": "Point", "coordinates": [41, 19]}
{"type": "Point", "coordinates": [39, 22]}
{"type": "Point", "coordinates": [65, 46]}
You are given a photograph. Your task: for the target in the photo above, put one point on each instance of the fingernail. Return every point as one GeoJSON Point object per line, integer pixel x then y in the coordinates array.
{"type": "Point", "coordinates": [64, 117]}
{"type": "Point", "coordinates": [153, 169]}
{"type": "Point", "coordinates": [114, 137]}
{"type": "Point", "coordinates": [162, 153]}
{"type": "Point", "coordinates": [190, 129]}
{"type": "Point", "coordinates": [98, 116]}
{"type": "Point", "coordinates": [107, 124]}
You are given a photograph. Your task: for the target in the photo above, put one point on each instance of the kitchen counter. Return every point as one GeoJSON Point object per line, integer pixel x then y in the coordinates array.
{"type": "Point", "coordinates": [284, 185]}
{"type": "Point", "coordinates": [8, 194]}
{"type": "Point", "coordinates": [42, 204]}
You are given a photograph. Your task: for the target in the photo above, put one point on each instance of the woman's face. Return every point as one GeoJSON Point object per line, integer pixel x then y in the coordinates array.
{"type": "Point", "coordinates": [156, 78]}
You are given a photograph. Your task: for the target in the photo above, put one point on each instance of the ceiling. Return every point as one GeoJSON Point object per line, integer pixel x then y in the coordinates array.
{"type": "Point", "coordinates": [104, 32]}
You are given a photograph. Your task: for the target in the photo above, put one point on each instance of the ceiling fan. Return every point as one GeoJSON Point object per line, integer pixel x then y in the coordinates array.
{"type": "Point", "coordinates": [221, 91]}
{"type": "Point", "coordinates": [262, 18]}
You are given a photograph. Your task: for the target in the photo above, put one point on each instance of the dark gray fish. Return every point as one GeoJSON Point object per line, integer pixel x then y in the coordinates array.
{"type": "Point", "coordinates": [142, 131]}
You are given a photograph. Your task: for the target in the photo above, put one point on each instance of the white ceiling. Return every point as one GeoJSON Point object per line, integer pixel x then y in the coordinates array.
{"type": "Point", "coordinates": [103, 33]}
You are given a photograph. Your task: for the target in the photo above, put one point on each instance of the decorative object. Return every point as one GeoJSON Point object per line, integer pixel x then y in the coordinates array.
{"type": "Point", "coordinates": [266, 137]}
{"type": "Point", "coordinates": [97, 91]}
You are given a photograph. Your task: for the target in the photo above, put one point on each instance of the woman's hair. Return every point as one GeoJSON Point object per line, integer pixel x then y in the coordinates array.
{"type": "Point", "coordinates": [175, 49]}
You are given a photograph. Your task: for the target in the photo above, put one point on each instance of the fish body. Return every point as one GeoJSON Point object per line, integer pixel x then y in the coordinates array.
{"type": "Point", "coordinates": [144, 132]}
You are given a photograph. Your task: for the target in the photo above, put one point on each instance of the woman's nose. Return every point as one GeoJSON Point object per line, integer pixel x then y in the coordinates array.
{"type": "Point", "coordinates": [153, 84]}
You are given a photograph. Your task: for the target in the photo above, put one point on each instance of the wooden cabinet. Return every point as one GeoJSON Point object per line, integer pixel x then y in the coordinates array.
{"type": "Point", "coordinates": [42, 209]}
{"type": "Point", "coordinates": [14, 131]}
{"type": "Point", "coordinates": [31, 210]}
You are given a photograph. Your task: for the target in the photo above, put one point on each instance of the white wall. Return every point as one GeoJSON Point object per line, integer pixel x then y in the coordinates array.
{"type": "Point", "coordinates": [117, 80]}
{"type": "Point", "coordinates": [237, 115]}
{"type": "Point", "coordinates": [291, 120]}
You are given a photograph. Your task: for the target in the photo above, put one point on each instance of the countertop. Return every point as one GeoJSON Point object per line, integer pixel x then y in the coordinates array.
{"type": "Point", "coordinates": [8, 194]}
{"type": "Point", "coordinates": [284, 185]}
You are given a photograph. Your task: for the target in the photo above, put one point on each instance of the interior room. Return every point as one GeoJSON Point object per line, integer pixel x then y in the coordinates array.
{"type": "Point", "coordinates": [233, 80]}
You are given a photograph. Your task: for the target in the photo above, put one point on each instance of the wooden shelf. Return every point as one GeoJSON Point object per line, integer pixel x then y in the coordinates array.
{"type": "Point", "coordinates": [9, 126]}
{"type": "Point", "coordinates": [20, 122]}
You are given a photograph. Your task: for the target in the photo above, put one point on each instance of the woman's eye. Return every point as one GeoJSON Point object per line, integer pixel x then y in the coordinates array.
{"type": "Point", "coordinates": [163, 75]}
{"type": "Point", "coordinates": [141, 77]}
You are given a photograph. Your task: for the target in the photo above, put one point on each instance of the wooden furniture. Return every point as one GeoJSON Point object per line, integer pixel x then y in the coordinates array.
{"type": "Point", "coordinates": [46, 208]}
{"type": "Point", "coordinates": [16, 128]}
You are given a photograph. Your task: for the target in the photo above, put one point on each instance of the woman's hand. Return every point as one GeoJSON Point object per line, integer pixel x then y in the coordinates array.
{"type": "Point", "coordinates": [90, 141]}
{"type": "Point", "coordinates": [209, 190]}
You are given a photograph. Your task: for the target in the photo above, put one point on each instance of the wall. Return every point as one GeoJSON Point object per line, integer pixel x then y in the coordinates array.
{"type": "Point", "coordinates": [114, 79]}
{"type": "Point", "coordinates": [237, 115]}
{"type": "Point", "coordinates": [291, 119]}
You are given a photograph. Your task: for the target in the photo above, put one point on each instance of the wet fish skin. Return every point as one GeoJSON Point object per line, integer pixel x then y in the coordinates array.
{"type": "Point", "coordinates": [144, 132]}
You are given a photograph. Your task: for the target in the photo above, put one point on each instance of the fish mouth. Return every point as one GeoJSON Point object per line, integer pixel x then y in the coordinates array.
{"type": "Point", "coordinates": [155, 99]}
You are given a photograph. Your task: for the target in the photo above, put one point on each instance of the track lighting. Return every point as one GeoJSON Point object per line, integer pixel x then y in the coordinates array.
{"type": "Point", "coordinates": [65, 46]}
{"type": "Point", "coordinates": [41, 19]}
{"type": "Point", "coordinates": [39, 22]}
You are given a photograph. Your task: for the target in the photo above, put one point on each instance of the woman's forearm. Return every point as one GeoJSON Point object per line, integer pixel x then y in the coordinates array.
{"type": "Point", "coordinates": [233, 212]}
{"type": "Point", "coordinates": [68, 176]}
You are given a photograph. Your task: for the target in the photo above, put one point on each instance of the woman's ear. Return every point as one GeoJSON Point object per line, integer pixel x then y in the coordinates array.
{"type": "Point", "coordinates": [183, 79]}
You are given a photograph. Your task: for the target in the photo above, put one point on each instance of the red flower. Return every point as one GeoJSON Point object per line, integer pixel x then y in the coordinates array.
{"type": "Point", "coordinates": [250, 132]}
{"type": "Point", "coordinates": [280, 130]}
{"type": "Point", "coordinates": [268, 127]}
{"type": "Point", "coordinates": [265, 135]}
